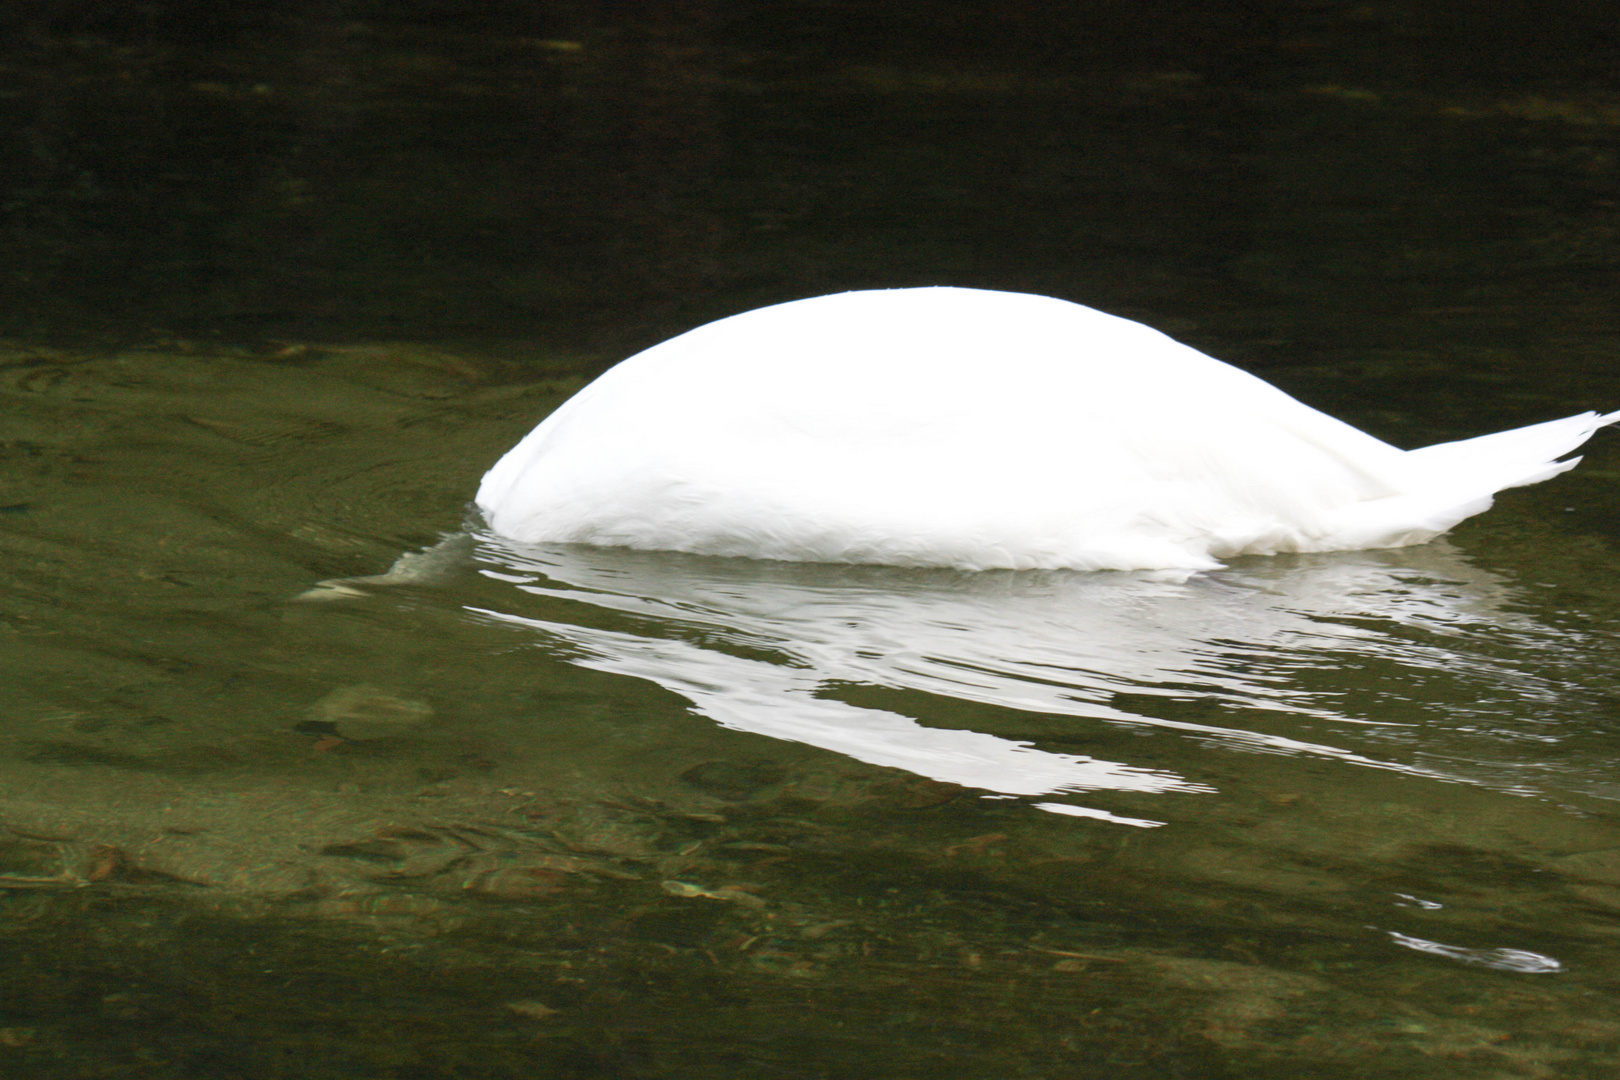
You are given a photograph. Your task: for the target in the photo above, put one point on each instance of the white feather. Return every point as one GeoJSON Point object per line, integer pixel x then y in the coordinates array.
{"type": "Point", "coordinates": [978, 430]}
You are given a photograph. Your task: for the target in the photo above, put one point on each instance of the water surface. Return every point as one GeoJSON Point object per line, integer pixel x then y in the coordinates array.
{"type": "Point", "coordinates": [279, 288]}
{"type": "Point", "coordinates": [579, 811]}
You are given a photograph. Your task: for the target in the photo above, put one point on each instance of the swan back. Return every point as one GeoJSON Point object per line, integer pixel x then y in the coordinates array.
{"type": "Point", "coordinates": [966, 428]}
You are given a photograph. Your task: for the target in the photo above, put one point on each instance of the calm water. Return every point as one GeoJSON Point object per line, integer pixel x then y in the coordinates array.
{"type": "Point", "coordinates": [567, 812]}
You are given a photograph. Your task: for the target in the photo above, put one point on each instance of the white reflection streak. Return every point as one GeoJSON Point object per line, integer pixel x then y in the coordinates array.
{"type": "Point", "coordinates": [1101, 815]}
{"type": "Point", "coordinates": [832, 656]}
{"type": "Point", "coordinates": [780, 702]}
{"type": "Point", "coordinates": [1531, 963]}
{"type": "Point", "coordinates": [1049, 644]}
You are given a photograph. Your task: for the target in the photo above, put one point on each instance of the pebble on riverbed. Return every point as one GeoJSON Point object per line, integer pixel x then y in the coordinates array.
{"type": "Point", "coordinates": [363, 713]}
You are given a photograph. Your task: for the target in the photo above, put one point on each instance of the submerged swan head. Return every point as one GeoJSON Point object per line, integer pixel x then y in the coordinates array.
{"type": "Point", "coordinates": [975, 429]}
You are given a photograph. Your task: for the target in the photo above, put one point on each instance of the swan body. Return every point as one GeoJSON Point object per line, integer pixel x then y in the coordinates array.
{"type": "Point", "coordinates": [975, 429]}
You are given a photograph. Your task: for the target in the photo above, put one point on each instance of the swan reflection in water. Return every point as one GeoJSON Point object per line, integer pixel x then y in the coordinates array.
{"type": "Point", "coordinates": [770, 648]}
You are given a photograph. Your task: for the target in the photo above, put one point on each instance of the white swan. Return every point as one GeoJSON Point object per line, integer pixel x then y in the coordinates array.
{"type": "Point", "coordinates": [977, 430]}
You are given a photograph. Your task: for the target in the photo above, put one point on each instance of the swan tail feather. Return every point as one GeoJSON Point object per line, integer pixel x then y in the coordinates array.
{"type": "Point", "coordinates": [1504, 459]}
{"type": "Point", "coordinates": [1449, 482]}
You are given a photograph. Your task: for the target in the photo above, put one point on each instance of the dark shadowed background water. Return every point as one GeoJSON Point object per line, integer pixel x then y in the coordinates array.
{"type": "Point", "coordinates": [279, 281]}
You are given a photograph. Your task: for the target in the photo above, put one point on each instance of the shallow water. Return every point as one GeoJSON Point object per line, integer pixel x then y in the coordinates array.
{"type": "Point", "coordinates": [596, 812]}
{"type": "Point", "coordinates": [563, 812]}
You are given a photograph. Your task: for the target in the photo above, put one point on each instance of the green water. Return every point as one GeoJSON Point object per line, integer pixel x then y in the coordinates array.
{"type": "Point", "coordinates": [280, 287]}
{"type": "Point", "coordinates": [571, 812]}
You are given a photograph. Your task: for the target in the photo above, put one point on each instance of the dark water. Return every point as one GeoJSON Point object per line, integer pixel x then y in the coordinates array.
{"type": "Point", "coordinates": [280, 283]}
